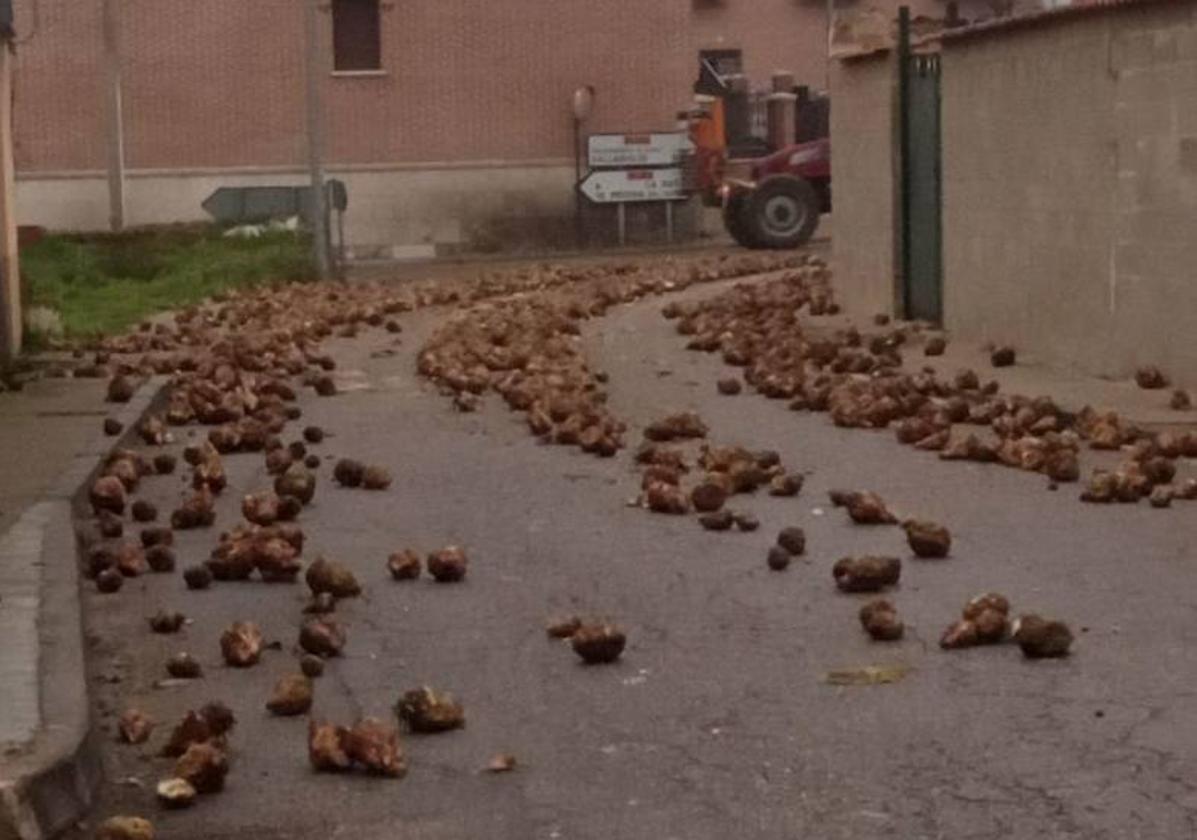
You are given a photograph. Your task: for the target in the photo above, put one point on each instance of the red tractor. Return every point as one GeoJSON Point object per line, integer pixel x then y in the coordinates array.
{"type": "Point", "coordinates": [768, 202]}
{"type": "Point", "coordinates": [778, 205]}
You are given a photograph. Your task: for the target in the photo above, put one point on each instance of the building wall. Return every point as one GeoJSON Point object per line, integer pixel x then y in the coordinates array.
{"type": "Point", "coordinates": [774, 35]}
{"type": "Point", "coordinates": [222, 83]}
{"type": "Point", "coordinates": [863, 183]}
{"type": "Point", "coordinates": [468, 125]}
{"type": "Point", "coordinates": [1070, 188]}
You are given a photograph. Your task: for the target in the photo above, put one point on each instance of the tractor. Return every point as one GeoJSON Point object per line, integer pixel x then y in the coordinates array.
{"type": "Point", "coordinates": [778, 206]}
{"type": "Point", "coordinates": [773, 201]}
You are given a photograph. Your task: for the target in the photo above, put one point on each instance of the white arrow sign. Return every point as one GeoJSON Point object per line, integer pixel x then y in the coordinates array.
{"type": "Point", "coordinates": [623, 150]}
{"type": "Point", "coordinates": [613, 185]}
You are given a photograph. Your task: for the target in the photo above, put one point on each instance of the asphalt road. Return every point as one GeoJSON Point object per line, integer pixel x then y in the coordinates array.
{"type": "Point", "coordinates": [718, 722]}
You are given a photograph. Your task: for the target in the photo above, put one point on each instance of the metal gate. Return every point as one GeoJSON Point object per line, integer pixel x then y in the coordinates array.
{"type": "Point", "coordinates": [921, 224]}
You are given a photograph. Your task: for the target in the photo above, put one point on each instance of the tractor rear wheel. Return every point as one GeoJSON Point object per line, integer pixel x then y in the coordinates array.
{"type": "Point", "coordinates": [735, 219]}
{"type": "Point", "coordinates": [783, 212]}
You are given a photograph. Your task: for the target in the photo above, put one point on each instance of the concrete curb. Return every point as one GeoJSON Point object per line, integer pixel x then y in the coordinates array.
{"type": "Point", "coordinates": [50, 762]}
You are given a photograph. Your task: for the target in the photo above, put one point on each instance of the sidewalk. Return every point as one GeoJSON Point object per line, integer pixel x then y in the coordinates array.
{"type": "Point", "coordinates": [42, 428]}
{"type": "Point", "coordinates": [51, 441]}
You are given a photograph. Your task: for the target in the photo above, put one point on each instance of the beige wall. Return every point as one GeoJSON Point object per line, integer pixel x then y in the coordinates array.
{"type": "Point", "coordinates": [862, 178]}
{"type": "Point", "coordinates": [1070, 189]}
{"type": "Point", "coordinates": [387, 206]}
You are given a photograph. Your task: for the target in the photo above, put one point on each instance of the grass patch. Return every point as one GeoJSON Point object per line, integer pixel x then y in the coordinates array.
{"type": "Point", "coordinates": [105, 284]}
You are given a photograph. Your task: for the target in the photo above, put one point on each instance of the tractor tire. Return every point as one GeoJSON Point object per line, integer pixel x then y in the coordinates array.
{"type": "Point", "coordinates": [783, 212]}
{"type": "Point", "coordinates": [735, 219]}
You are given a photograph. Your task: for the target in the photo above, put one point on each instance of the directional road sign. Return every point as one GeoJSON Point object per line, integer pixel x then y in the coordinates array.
{"type": "Point", "coordinates": [624, 150]}
{"type": "Point", "coordinates": [605, 186]}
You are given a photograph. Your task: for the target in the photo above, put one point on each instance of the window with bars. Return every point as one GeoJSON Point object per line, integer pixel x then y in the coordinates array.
{"type": "Point", "coordinates": [357, 35]}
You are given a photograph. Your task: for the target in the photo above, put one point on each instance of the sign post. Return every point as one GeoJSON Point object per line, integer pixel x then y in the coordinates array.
{"type": "Point", "coordinates": [644, 167]}
{"type": "Point", "coordinates": [10, 266]}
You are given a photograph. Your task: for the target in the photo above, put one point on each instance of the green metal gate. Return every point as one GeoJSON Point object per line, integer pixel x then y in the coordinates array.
{"type": "Point", "coordinates": [921, 203]}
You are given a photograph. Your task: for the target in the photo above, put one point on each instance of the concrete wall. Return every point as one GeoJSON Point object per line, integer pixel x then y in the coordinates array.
{"type": "Point", "coordinates": [1070, 188]}
{"type": "Point", "coordinates": [415, 206]}
{"type": "Point", "coordinates": [863, 182]}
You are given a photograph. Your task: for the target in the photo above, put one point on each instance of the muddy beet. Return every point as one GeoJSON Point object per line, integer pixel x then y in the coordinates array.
{"type": "Point", "coordinates": [144, 511]}
{"type": "Point", "coordinates": [375, 746]}
{"type": "Point", "coordinates": [130, 560]}
{"type": "Point", "coordinates": [720, 520]}
{"type": "Point", "coordinates": [404, 565]}
{"type": "Point", "coordinates": [1041, 638]}
{"type": "Point", "coordinates": [204, 766]}
{"type": "Point", "coordinates": [879, 618]}
{"type": "Point", "coordinates": [212, 722]}
{"type": "Point", "coordinates": [793, 540]}
{"type": "Point", "coordinates": [376, 478]}
{"type": "Point", "coordinates": [778, 559]}
{"type": "Point", "coordinates": [729, 386]}
{"type": "Point", "coordinates": [197, 577]}
{"type": "Point", "coordinates": [183, 666]}
{"type": "Point", "coordinates": [868, 509]}
{"type": "Point", "coordinates": [109, 581]}
{"type": "Point", "coordinates": [986, 601]}
{"type": "Point", "coordinates": [663, 497]}
{"type": "Point", "coordinates": [241, 644]}
{"type": "Point", "coordinates": [175, 793]}
{"type": "Point", "coordinates": [292, 695]}
{"type": "Point", "coordinates": [332, 577]}
{"type": "Point", "coordinates": [866, 574]}
{"type": "Point", "coordinates": [349, 473]}
{"type": "Point", "coordinates": [428, 711]}
{"type": "Point", "coordinates": [322, 637]}
{"type": "Point", "coordinates": [991, 626]}
{"type": "Point", "coordinates": [785, 485]}
{"type": "Point", "coordinates": [1002, 356]}
{"type": "Point", "coordinates": [297, 481]}
{"type": "Point", "coordinates": [708, 496]}
{"type": "Point", "coordinates": [311, 665]}
{"type": "Point", "coordinates": [326, 747]}
{"type": "Point", "coordinates": [160, 558]}
{"type": "Point", "coordinates": [448, 565]}
{"type": "Point", "coordinates": [598, 643]}
{"type": "Point", "coordinates": [1150, 377]}
{"type": "Point", "coordinates": [679, 426]}
{"type": "Point", "coordinates": [108, 494]}
{"type": "Point", "coordinates": [927, 539]}
{"type": "Point", "coordinates": [120, 389]}
{"type": "Point", "coordinates": [157, 536]}
{"type": "Point", "coordinates": [961, 634]}
{"type": "Point", "coordinates": [167, 622]}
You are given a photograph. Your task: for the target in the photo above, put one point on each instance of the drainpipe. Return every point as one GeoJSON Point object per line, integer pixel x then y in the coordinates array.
{"type": "Point", "coordinates": [116, 125]}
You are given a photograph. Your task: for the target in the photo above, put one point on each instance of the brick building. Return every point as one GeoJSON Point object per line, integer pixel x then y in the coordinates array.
{"type": "Point", "coordinates": [445, 118]}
